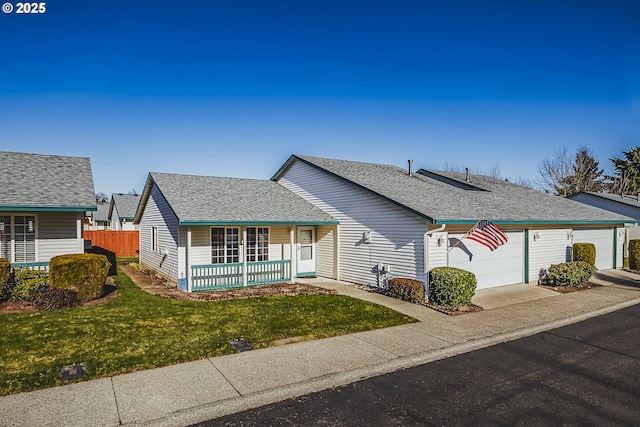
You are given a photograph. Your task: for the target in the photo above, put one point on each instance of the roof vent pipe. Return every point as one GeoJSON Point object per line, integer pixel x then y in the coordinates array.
{"type": "Point", "coordinates": [410, 167]}
{"type": "Point", "coordinates": [468, 174]}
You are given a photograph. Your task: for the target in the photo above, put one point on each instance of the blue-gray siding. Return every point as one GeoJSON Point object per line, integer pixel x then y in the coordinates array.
{"type": "Point", "coordinates": [158, 214]}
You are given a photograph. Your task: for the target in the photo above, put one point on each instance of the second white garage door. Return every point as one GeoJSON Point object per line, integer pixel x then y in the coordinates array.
{"type": "Point", "coordinates": [504, 266]}
{"type": "Point", "coordinates": [602, 239]}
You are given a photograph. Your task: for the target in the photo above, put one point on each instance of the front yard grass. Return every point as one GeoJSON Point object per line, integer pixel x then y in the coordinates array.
{"type": "Point", "coordinates": [138, 331]}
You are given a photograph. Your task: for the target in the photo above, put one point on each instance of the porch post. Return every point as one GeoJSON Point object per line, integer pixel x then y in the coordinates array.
{"type": "Point", "coordinates": [188, 261]}
{"type": "Point", "coordinates": [79, 236]}
{"type": "Point", "coordinates": [243, 251]}
{"type": "Point", "coordinates": [293, 253]}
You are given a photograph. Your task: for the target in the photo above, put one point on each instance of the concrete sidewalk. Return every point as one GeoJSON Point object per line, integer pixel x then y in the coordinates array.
{"type": "Point", "coordinates": [197, 391]}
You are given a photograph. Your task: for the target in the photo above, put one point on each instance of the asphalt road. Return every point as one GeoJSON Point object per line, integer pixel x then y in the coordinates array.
{"type": "Point", "coordinates": [585, 374]}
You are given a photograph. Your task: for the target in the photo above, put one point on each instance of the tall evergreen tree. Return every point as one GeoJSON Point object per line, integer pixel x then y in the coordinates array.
{"type": "Point", "coordinates": [627, 170]}
{"type": "Point", "coordinates": [587, 176]}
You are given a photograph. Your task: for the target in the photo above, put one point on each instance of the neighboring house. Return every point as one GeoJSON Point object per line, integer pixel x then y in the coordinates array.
{"type": "Point", "coordinates": [396, 223]}
{"type": "Point", "coordinates": [98, 220]}
{"type": "Point", "coordinates": [122, 210]}
{"type": "Point", "coordinates": [207, 232]}
{"type": "Point", "coordinates": [620, 204]}
{"type": "Point", "coordinates": [42, 203]}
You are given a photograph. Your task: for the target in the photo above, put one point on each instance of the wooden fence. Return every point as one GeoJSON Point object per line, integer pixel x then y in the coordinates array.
{"type": "Point", "coordinates": [123, 243]}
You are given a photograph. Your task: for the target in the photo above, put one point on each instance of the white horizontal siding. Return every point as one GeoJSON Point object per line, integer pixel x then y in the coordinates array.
{"type": "Point", "coordinates": [396, 235]}
{"type": "Point", "coordinates": [437, 255]}
{"type": "Point", "coordinates": [157, 213]}
{"type": "Point", "coordinates": [326, 236]}
{"type": "Point", "coordinates": [621, 236]}
{"type": "Point", "coordinates": [547, 247]}
{"type": "Point", "coordinates": [57, 235]}
{"type": "Point", "coordinates": [279, 243]}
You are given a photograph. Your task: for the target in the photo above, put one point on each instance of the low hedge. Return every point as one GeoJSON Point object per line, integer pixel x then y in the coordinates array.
{"type": "Point", "coordinates": [451, 287]}
{"type": "Point", "coordinates": [634, 254]}
{"type": "Point", "coordinates": [406, 289]}
{"type": "Point", "coordinates": [56, 299]}
{"type": "Point", "coordinates": [85, 273]}
{"type": "Point", "coordinates": [570, 273]}
{"type": "Point", "coordinates": [26, 284]}
{"type": "Point", "coordinates": [584, 252]}
{"type": "Point", "coordinates": [5, 275]}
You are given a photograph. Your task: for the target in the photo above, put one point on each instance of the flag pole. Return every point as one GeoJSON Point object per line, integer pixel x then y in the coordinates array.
{"type": "Point", "coordinates": [465, 235]}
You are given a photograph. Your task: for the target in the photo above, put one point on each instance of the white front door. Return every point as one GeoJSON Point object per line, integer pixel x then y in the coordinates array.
{"type": "Point", "coordinates": [306, 252]}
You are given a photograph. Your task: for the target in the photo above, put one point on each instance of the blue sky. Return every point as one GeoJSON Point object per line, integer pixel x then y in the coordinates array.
{"type": "Point", "coordinates": [232, 88]}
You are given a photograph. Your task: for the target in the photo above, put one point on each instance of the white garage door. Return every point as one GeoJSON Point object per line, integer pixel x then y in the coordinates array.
{"type": "Point", "coordinates": [547, 247]}
{"type": "Point", "coordinates": [504, 266]}
{"type": "Point", "coordinates": [602, 238]}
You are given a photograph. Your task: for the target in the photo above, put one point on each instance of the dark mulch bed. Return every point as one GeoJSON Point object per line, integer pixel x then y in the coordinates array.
{"type": "Point", "coordinates": [148, 283]}
{"type": "Point", "coordinates": [571, 289]}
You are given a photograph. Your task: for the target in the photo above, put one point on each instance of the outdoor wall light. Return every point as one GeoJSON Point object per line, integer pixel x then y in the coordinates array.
{"type": "Point", "coordinates": [30, 226]}
{"type": "Point", "coordinates": [440, 241]}
{"type": "Point", "coordinates": [569, 235]}
{"type": "Point", "coordinates": [536, 236]}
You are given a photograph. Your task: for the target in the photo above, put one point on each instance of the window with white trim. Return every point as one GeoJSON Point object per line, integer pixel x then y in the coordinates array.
{"type": "Point", "coordinates": [225, 245]}
{"type": "Point", "coordinates": [257, 244]}
{"type": "Point", "coordinates": [18, 238]}
{"type": "Point", "coordinates": [154, 238]}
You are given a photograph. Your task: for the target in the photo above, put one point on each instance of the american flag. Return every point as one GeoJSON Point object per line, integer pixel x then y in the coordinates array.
{"type": "Point", "coordinates": [488, 234]}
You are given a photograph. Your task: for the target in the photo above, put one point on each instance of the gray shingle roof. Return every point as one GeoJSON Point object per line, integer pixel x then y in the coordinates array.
{"type": "Point", "coordinates": [127, 204]}
{"type": "Point", "coordinates": [45, 182]}
{"type": "Point", "coordinates": [623, 199]}
{"type": "Point", "coordinates": [102, 214]}
{"type": "Point", "coordinates": [218, 200]}
{"type": "Point", "coordinates": [445, 197]}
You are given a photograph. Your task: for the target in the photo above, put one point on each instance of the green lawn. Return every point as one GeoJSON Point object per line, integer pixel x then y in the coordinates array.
{"type": "Point", "coordinates": [139, 331]}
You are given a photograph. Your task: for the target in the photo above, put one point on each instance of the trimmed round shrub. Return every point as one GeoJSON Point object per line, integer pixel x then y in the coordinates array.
{"type": "Point", "coordinates": [27, 284]}
{"type": "Point", "coordinates": [451, 287]}
{"type": "Point", "coordinates": [570, 273]}
{"type": "Point", "coordinates": [406, 289]}
{"type": "Point", "coordinates": [584, 252]}
{"type": "Point", "coordinates": [5, 275]}
{"type": "Point", "coordinates": [57, 299]}
{"type": "Point", "coordinates": [634, 254]}
{"type": "Point", "coordinates": [86, 273]}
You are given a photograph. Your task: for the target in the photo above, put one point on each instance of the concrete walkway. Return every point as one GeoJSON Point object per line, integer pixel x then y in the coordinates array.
{"type": "Point", "coordinates": [197, 391]}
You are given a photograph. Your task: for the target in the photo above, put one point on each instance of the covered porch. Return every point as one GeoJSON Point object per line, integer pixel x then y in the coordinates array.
{"type": "Point", "coordinates": [248, 255]}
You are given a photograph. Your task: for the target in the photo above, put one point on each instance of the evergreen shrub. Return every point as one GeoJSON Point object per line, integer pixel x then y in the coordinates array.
{"type": "Point", "coordinates": [5, 275]}
{"type": "Point", "coordinates": [56, 299]}
{"type": "Point", "coordinates": [584, 252]}
{"type": "Point", "coordinates": [406, 289]}
{"type": "Point", "coordinates": [570, 273]}
{"type": "Point", "coordinates": [634, 254]}
{"type": "Point", "coordinates": [451, 287]}
{"type": "Point", "coordinates": [26, 284]}
{"type": "Point", "coordinates": [86, 273]}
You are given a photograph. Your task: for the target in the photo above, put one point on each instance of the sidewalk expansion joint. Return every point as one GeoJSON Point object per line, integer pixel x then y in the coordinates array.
{"type": "Point", "coordinates": [115, 398]}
